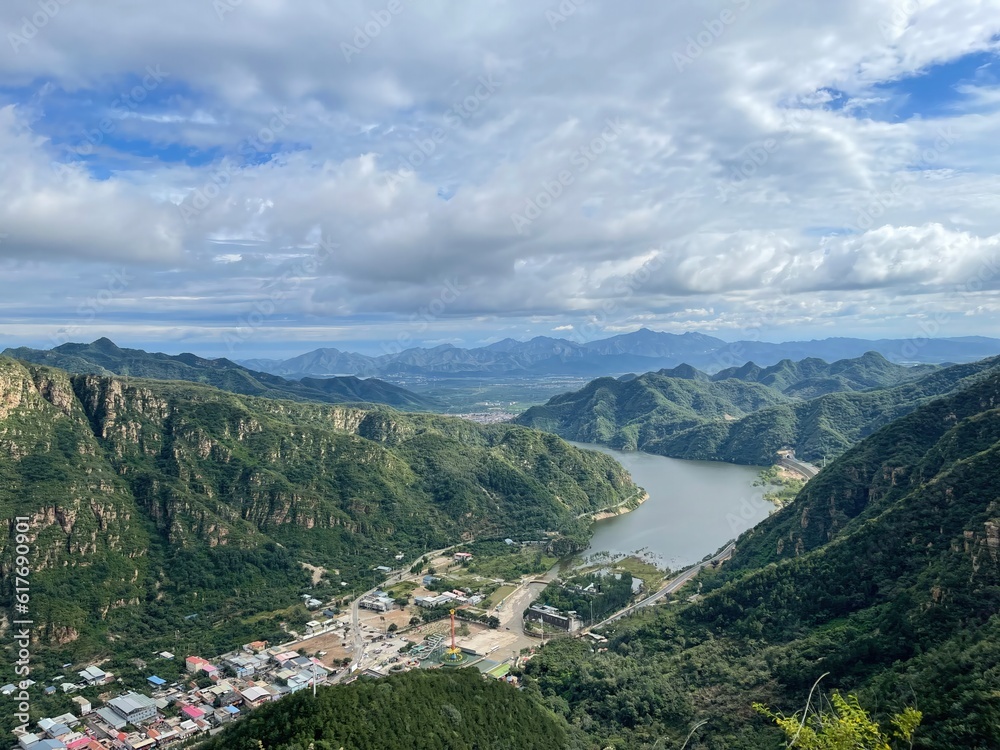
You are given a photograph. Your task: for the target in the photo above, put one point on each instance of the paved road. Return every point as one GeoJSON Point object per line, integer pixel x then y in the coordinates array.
{"type": "Point", "coordinates": [671, 587]}
{"type": "Point", "coordinates": [806, 470]}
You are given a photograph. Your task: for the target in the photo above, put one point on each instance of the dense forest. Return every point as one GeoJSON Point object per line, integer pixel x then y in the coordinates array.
{"type": "Point", "coordinates": [745, 415]}
{"type": "Point", "coordinates": [420, 710]}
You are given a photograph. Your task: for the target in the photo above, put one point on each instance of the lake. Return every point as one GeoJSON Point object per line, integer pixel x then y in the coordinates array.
{"type": "Point", "coordinates": [694, 508]}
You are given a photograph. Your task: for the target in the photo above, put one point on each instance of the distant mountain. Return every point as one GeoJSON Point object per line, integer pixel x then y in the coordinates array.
{"type": "Point", "coordinates": [641, 351]}
{"type": "Point", "coordinates": [684, 412]}
{"type": "Point", "coordinates": [103, 357]}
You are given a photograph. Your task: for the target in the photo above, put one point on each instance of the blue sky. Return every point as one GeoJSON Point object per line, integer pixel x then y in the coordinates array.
{"type": "Point", "coordinates": [276, 178]}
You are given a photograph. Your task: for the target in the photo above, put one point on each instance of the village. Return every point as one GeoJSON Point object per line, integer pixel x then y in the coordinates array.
{"type": "Point", "coordinates": [438, 614]}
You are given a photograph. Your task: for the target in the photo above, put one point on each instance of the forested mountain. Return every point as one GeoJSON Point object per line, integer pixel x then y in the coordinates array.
{"type": "Point", "coordinates": [150, 501]}
{"type": "Point", "coordinates": [745, 415]}
{"type": "Point", "coordinates": [884, 574]}
{"type": "Point", "coordinates": [103, 357]}
{"type": "Point", "coordinates": [447, 709]}
{"type": "Point", "coordinates": [639, 351]}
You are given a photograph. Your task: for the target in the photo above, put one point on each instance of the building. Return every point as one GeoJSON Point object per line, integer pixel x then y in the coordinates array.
{"type": "Point", "coordinates": [240, 665]}
{"type": "Point", "coordinates": [82, 704]}
{"type": "Point", "coordinates": [112, 718]}
{"type": "Point", "coordinates": [134, 707]}
{"type": "Point", "coordinates": [377, 603]}
{"type": "Point", "coordinates": [430, 580]}
{"type": "Point", "coordinates": [194, 663]}
{"type": "Point", "coordinates": [463, 556]}
{"type": "Point", "coordinates": [155, 682]}
{"type": "Point", "coordinates": [254, 696]}
{"type": "Point", "coordinates": [94, 676]}
{"type": "Point", "coordinates": [553, 617]}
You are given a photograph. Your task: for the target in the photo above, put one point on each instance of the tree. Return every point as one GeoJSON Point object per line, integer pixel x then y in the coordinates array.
{"type": "Point", "coordinates": [414, 621]}
{"type": "Point", "coordinates": [845, 726]}
{"type": "Point", "coordinates": [393, 627]}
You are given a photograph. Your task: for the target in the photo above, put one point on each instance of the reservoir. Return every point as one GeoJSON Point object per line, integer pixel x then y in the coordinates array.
{"type": "Point", "coordinates": [694, 508]}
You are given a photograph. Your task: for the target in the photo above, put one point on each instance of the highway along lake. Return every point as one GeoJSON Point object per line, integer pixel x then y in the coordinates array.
{"type": "Point", "coordinates": [694, 508]}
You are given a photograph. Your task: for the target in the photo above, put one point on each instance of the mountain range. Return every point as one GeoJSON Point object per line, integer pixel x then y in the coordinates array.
{"type": "Point", "coordinates": [149, 501]}
{"type": "Point", "coordinates": [641, 351]}
{"type": "Point", "coordinates": [746, 414]}
{"type": "Point", "coordinates": [104, 357]}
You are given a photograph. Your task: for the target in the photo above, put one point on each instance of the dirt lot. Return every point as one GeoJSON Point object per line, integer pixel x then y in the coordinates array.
{"type": "Point", "coordinates": [329, 642]}
{"type": "Point", "coordinates": [399, 616]}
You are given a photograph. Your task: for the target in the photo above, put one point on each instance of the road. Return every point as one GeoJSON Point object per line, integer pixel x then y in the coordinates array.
{"type": "Point", "coordinates": [671, 587]}
{"type": "Point", "coordinates": [358, 646]}
{"type": "Point", "coordinates": [800, 467]}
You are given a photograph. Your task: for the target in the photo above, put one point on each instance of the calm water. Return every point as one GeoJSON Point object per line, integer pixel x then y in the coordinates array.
{"type": "Point", "coordinates": [694, 508]}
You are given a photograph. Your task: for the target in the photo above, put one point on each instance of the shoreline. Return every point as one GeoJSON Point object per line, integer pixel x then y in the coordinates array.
{"type": "Point", "coordinates": [626, 507]}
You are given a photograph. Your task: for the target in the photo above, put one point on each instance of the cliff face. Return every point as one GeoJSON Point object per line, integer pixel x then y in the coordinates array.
{"type": "Point", "coordinates": [142, 492]}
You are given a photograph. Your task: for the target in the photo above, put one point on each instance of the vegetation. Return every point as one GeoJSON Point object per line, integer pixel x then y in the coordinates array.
{"type": "Point", "coordinates": [103, 357]}
{"type": "Point", "coordinates": [744, 416]}
{"type": "Point", "coordinates": [171, 516]}
{"type": "Point", "coordinates": [884, 573]}
{"type": "Point", "coordinates": [593, 596]}
{"type": "Point", "coordinates": [447, 709]}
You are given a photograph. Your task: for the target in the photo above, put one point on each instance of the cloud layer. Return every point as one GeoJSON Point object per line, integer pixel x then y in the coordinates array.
{"type": "Point", "coordinates": [304, 172]}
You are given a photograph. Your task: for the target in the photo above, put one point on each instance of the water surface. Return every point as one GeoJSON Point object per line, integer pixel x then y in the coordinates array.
{"type": "Point", "coordinates": [694, 508]}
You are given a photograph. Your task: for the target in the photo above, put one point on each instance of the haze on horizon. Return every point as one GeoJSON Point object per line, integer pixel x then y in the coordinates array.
{"type": "Point", "coordinates": [298, 176]}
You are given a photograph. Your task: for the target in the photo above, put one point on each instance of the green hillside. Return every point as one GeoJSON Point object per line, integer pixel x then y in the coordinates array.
{"type": "Point", "coordinates": [883, 573]}
{"type": "Point", "coordinates": [450, 710]}
{"type": "Point", "coordinates": [745, 415]}
{"type": "Point", "coordinates": [151, 501]}
{"type": "Point", "coordinates": [103, 357]}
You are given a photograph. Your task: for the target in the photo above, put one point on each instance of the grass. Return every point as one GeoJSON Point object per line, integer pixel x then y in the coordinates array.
{"type": "Point", "coordinates": [499, 595]}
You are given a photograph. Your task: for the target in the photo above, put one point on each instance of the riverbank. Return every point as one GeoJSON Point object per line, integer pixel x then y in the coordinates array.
{"type": "Point", "coordinates": [626, 507]}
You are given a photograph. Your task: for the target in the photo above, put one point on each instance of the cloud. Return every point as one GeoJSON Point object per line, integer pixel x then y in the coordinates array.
{"type": "Point", "coordinates": [714, 139]}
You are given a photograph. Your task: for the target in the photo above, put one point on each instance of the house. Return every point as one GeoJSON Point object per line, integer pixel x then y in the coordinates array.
{"type": "Point", "coordinates": [93, 676]}
{"type": "Point", "coordinates": [254, 696]}
{"type": "Point", "coordinates": [255, 646]}
{"type": "Point", "coordinates": [111, 718]}
{"type": "Point", "coordinates": [462, 556]}
{"type": "Point", "coordinates": [383, 569]}
{"type": "Point", "coordinates": [194, 663]}
{"type": "Point", "coordinates": [55, 728]}
{"type": "Point", "coordinates": [312, 603]}
{"type": "Point", "coordinates": [134, 707]}
{"type": "Point", "coordinates": [192, 712]}
{"type": "Point", "coordinates": [239, 665]}
{"type": "Point", "coordinates": [165, 655]}
{"type": "Point", "coordinates": [155, 682]}
{"type": "Point", "coordinates": [430, 580]}
{"type": "Point", "coordinates": [82, 704]}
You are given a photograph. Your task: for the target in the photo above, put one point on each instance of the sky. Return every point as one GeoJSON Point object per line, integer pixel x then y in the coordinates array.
{"type": "Point", "coordinates": [259, 178]}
